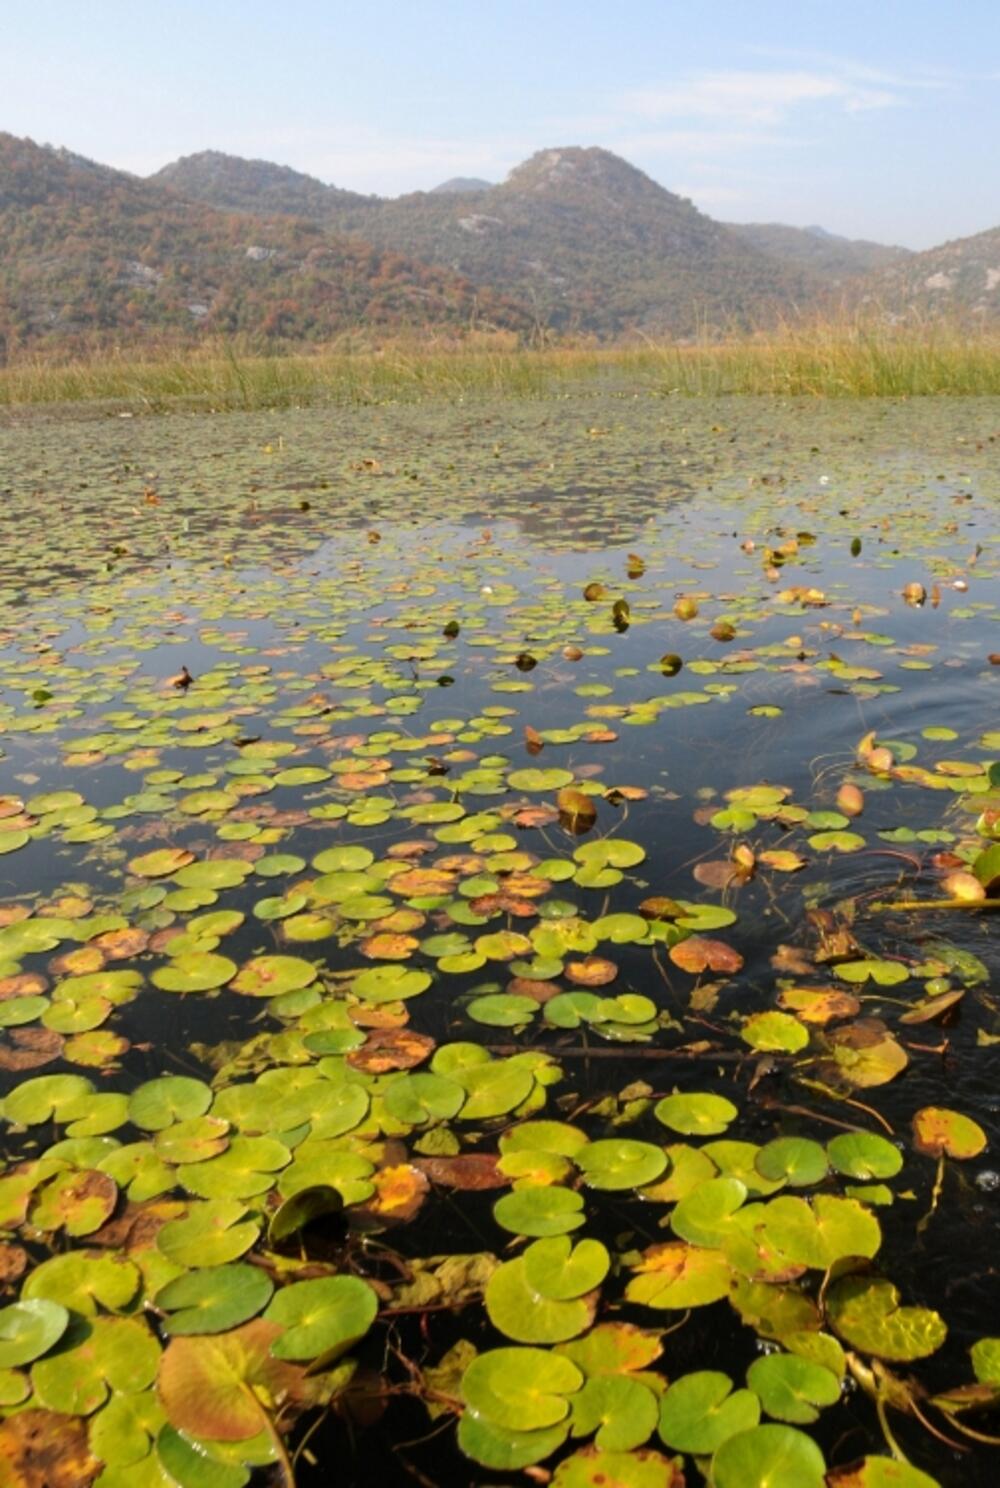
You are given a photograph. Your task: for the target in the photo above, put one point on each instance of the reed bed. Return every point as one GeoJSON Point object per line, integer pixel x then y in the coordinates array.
{"type": "Point", "coordinates": [818, 359]}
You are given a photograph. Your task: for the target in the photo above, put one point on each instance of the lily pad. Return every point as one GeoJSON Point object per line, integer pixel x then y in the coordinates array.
{"type": "Point", "coordinates": [614, 1163]}
{"type": "Point", "coordinates": [29, 1329]}
{"type": "Point", "coordinates": [792, 1389]}
{"type": "Point", "coordinates": [866, 1313]}
{"type": "Point", "coordinates": [769, 1457]}
{"type": "Point", "coordinates": [521, 1388]}
{"type": "Point", "coordinates": [212, 1300]}
{"type": "Point", "coordinates": [700, 1411]}
{"type": "Point", "coordinates": [321, 1318]}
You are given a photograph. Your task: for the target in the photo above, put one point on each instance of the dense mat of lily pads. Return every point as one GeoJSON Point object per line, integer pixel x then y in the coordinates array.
{"type": "Point", "coordinates": [494, 918]}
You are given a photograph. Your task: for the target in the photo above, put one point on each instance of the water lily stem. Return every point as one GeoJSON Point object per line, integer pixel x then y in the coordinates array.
{"type": "Point", "coordinates": [935, 1196]}
{"type": "Point", "coordinates": [912, 906]}
{"type": "Point", "coordinates": [281, 1452]}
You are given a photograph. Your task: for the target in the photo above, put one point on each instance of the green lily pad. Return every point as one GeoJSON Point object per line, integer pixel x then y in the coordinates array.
{"type": "Point", "coordinates": [621, 1413]}
{"type": "Point", "coordinates": [609, 852]}
{"type": "Point", "coordinates": [540, 1210]}
{"type": "Point", "coordinates": [190, 1467]}
{"type": "Point", "coordinates": [29, 1329]}
{"type": "Point", "coordinates": [493, 1089]}
{"type": "Point", "coordinates": [866, 1313]}
{"type": "Point", "coordinates": [864, 1155]}
{"type": "Point", "coordinates": [504, 1448]}
{"type": "Point", "coordinates": [700, 1411]}
{"type": "Point", "coordinates": [700, 1114]}
{"type": "Point", "coordinates": [350, 858]}
{"type": "Point", "coordinates": [620, 1163]}
{"type": "Point", "coordinates": [158, 1103]}
{"type": "Point", "coordinates": [702, 1217]}
{"type": "Point", "coordinates": [985, 1354]}
{"type": "Point", "coordinates": [558, 1270]}
{"type": "Point", "coordinates": [775, 1032]}
{"type": "Point", "coordinates": [798, 1161]}
{"type": "Point", "coordinates": [83, 1280]}
{"type": "Point", "coordinates": [195, 971]}
{"type": "Point", "coordinates": [321, 1318]}
{"type": "Point", "coordinates": [521, 1313]}
{"type": "Point", "coordinates": [390, 983]}
{"type": "Point", "coordinates": [271, 976]}
{"type": "Point", "coordinates": [122, 1434]}
{"type": "Point", "coordinates": [769, 1457]}
{"type": "Point", "coordinates": [217, 874]}
{"type": "Point", "coordinates": [522, 1389]}
{"type": "Point", "coordinates": [97, 1357]}
{"type": "Point", "coordinates": [882, 973]}
{"type": "Point", "coordinates": [212, 1300]}
{"type": "Point", "coordinates": [210, 1234]}
{"type": "Point", "coordinates": [46, 1098]}
{"type": "Point", "coordinates": [819, 1233]}
{"type": "Point", "coordinates": [792, 1389]}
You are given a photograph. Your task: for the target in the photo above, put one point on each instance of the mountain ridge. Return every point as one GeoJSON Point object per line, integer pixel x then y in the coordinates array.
{"type": "Point", "coordinates": [94, 254]}
{"type": "Point", "coordinates": [574, 240]}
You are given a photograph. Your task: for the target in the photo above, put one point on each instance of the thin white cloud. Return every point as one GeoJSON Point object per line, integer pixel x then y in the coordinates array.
{"type": "Point", "coordinates": [757, 97]}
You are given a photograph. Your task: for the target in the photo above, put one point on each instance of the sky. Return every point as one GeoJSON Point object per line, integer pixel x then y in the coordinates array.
{"type": "Point", "coordinates": [872, 118]}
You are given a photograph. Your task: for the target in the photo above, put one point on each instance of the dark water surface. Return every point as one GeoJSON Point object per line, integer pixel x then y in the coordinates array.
{"type": "Point", "coordinates": [388, 598]}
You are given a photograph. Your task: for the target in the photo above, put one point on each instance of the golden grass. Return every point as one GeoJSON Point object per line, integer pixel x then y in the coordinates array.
{"type": "Point", "coordinates": [822, 359]}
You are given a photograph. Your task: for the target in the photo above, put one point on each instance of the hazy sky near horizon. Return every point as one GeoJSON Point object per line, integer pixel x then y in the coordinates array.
{"type": "Point", "coordinates": [873, 118]}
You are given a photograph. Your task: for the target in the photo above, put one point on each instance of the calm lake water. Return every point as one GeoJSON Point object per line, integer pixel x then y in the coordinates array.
{"type": "Point", "coordinates": [405, 630]}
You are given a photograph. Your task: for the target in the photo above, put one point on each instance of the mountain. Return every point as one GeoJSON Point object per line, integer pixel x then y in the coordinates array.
{"type": "Point", "coordinates": [90, 253]}
{"type": "Point", "coordinates": [959, 279]}
{"type": "Point", "coordinates": [833, 258]}
{"type": "Point", "coordinates": [461, 184]}
{"type": "Point", "coordinates": [255, 186]}
{"type": "Point", "coordinates": [583, 239]}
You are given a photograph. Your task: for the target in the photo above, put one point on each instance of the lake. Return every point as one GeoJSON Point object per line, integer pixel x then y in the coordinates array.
{"type": "Point", "coordinates": [488, 927]}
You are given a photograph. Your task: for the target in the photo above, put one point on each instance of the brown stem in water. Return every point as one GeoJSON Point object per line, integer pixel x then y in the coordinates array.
{"type": "Point", "coordinates": [913, 906]}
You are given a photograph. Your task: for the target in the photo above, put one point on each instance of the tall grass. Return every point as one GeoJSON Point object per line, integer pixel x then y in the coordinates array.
{"type": "Point", "coordinates": [822, 359]}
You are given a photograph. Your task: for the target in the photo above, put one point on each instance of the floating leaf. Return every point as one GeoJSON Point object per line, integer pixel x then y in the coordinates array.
{"type": "Point", "coordinates": [769, 1457]}
{"type": "Point", "coordinates": [29, 1329]}
{"type": "Point", "coordinates": [620, 1412]}
{"type": "Point", "coordinates": [211, 1387]}
{"type": "Point", "coordinates": [540, 1211]}
{"type": "Point", "coordinates": [699, 1412]}
{"type": "Point", "coordinates": [324, 1317]}
{"type": "Point", "coordinates": [792, 1389]}
{"type": "Point", "coordinates": [210, 1234]}
{"type": "Point", "coordinates": [593, 1468]}
{"type": "Point", "coordinates": [678, 1276]}
{"type": "Point", "coordinates": [559, 1270]}
{"type": "Point", "coordinates": [864, 1155]}
{"type": "Point", "coordinates": [619, 1163]}
{"type": "Point", "coordinates": [698, 954]}
{"type": "Point", "coordinates": [798, 1161]}
{"type": "Point", "coordinates": [96, 1358]}
{"type": "Point", "coordinates": [866, 1313]}
{"type": "Point", "coordinates": [522, 1313]}
{"type": "Point", "coordinates": [939, 1132]}
{"type": "Point", "coordinates": [213, 1300]}
{"type": "Point", "coordinates": [696, 1114]}
{"type": "Point", "coordinates": [521, 1388]}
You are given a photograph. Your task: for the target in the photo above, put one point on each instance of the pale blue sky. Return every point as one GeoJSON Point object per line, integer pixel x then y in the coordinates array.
{"type": "Point", "coordinates": [875, 118]}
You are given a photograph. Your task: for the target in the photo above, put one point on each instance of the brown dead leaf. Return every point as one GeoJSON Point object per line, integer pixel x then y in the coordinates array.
{"type": "Point", "coordinates": [699, 953]}
{"type": "Point", "coordinates": [43, 1449]}
{"type": "Point", "coordinates": [28, 1048]}
{"type": "Point", "coordinates": [391, 1049]}
{"type": "Point", "coordinates": [472, 1170]}
{"type": "Point", "coordinates": [591, 971]}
